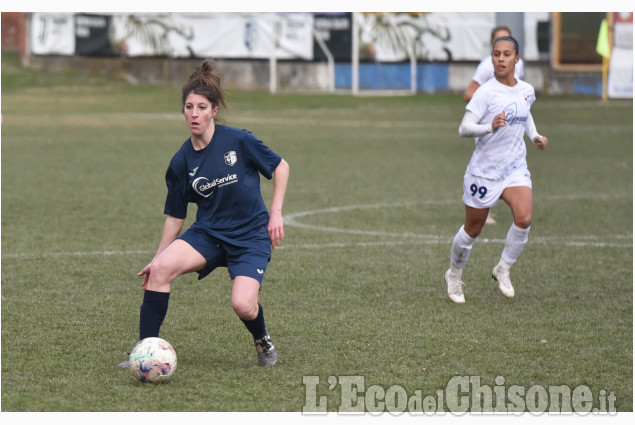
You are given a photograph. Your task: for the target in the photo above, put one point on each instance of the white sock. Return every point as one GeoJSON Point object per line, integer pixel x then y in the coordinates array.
{"type": "Point", "coordinates": [514, 244]}
{"type": "Point", "coordinates": [504, 264]}
{"type": "Point", "coordinates": [461, 248]}
{"type": "Point", "coordinates": [455, 271]}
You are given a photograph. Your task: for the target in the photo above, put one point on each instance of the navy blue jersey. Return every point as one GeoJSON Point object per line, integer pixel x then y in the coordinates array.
{"type": "Point", "coordinates": [223, 180]}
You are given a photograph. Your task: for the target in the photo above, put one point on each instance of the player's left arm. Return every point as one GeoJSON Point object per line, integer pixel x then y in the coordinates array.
{"type": "Point", "coordinates": [275, 226]}
{"type": "Point", "coordinates": [530, 130]}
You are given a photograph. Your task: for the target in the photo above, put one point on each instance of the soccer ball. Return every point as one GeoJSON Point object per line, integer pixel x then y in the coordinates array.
{"type": "Point", "coordinates": [152, 360]}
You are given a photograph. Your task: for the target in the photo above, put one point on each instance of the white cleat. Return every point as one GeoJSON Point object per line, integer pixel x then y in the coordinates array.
{"type": "Point", "coordinates": [455, 287]}
{"type": "Point", "coordinates": [504, 283]}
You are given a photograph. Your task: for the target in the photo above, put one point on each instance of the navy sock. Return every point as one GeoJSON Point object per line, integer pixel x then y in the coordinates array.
{"type": "Point", "coordinates": [256, 326]}
{"type": "Point", "coordinates": [153, 311]}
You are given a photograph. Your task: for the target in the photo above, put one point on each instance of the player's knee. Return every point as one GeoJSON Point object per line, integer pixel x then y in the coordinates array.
{"type": "Point", "coordinates": [473, 230]}
{"type": "Point", "coordinates": [161, 271]}
{"type": "Point", "coordinates": [245, 309]}
{"type": "Point", "coordinates": [523, 220]}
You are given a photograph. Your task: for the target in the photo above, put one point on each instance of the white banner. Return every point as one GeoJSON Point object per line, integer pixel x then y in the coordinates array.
{"type": "Point", "coordinates": [440, 36]}
{"type": "Point", "coordinates": [216, 35]}
{"type": "Point", "coordinates": [620, 82]}
{"type": "Point", "coordinates": [623, 31]}
{"type": "Point", "coordinates": [53, 34]}
{"type": "Point", "coordinates": [468, 36]}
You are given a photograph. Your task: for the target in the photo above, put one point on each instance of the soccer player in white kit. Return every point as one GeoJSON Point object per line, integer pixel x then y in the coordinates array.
{"type": "Point", "coordinates": [497, 116]}
{"type": "Point", "coordinates": [485, 69]}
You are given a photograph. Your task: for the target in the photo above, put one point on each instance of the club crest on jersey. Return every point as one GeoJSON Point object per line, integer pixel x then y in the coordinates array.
{"type": "Point", "coordinates": [231, 158]}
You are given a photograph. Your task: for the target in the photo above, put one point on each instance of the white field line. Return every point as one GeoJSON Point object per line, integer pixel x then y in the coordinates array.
{"type": "Point", "coordinates": [405, 238]}
{"type": "Point", "coordinates": [572, 242]}
{"type": "Point", "coordinates": [396, 124]}
{"type": "Point", "coordinates": [236, 120]}
{"type": "Point", "coordinates": [614, 241]}
{"type": "Point", "coordinates": [246, 118]}
{"type": "Point", "coordinates": [448, 242]}
{"type": "Point", "coordinates": [77, 254]}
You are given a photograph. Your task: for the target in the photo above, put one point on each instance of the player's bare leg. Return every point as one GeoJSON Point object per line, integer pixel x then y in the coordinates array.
{"type": "Point", "coordinates": [520, 200]}
{"type": "Point", "coordinates": [461, 247]}
{"type": "Point", "coordinates": [245, 303]}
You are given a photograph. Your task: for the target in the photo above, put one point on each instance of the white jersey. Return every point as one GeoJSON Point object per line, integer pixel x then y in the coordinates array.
{"type": "Point", "coordinates": [485, 70]}
{"type": "Point", "coordinates": [500, 153]}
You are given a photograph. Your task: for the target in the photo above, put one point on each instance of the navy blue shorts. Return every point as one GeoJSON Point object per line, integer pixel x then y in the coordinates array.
{"type": "Point", "coordinates": [240, 261]}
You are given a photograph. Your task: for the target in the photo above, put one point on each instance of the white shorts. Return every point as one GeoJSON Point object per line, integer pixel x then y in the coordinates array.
{"type": "Point", "coordinates": [484, 193]}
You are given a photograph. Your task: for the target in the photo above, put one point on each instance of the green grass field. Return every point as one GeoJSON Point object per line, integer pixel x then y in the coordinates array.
{"type": "Point", "coordinates": [373, 202]}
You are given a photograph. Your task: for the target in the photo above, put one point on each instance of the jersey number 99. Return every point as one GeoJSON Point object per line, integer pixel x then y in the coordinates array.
{"type": "Point", "coordinates": [482, 191]}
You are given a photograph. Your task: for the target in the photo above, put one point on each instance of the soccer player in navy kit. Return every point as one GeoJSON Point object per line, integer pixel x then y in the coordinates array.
{"type": "Point", "coordinates": [218, 169]}
{"type": "Point", "coordinates": [498, 115]}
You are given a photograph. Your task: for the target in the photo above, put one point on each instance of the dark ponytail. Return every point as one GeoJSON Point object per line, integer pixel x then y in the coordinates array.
{"type": "Point", "coordinates": [205, 82]}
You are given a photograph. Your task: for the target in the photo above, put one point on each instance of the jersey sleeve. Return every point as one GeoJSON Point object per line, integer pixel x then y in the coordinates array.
{"type": "Point", "coordinates": [470, 126]}
{"type": "Point", "coordinates": [175, 179]}
{"type": "Point", "coordinates": [530, 128]}
{"type": "Point", "coordinates": [259, 155]}
{"type": "Point", "coordinates": [478, 104]}
{"type": "Point", "coordinates": [531, 96]}
{"type": "Point", "coordinates": [530, 125]}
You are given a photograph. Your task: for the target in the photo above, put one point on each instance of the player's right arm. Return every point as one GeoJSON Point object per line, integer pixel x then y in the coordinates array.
{"type": "Point", "coordinates": [171, 230]}
{"type": "Point", "coordinates": [471, 126]}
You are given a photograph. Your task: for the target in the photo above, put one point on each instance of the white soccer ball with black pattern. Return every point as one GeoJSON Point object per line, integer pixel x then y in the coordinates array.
{"type": "Point", "coordinates": [153, 360]}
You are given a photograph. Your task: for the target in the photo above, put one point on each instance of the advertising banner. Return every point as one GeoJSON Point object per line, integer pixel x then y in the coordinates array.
{"type": "Point", "coordinates": [216, 35]}
{"type": "Point", "coordinates": [52, 34]}
{"type": "Point", "coordinates": [620, 78]}
{"type": "Point", "coordinates": [92, 35]}
{"type": "Point", "coordinates": [335, 30]}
